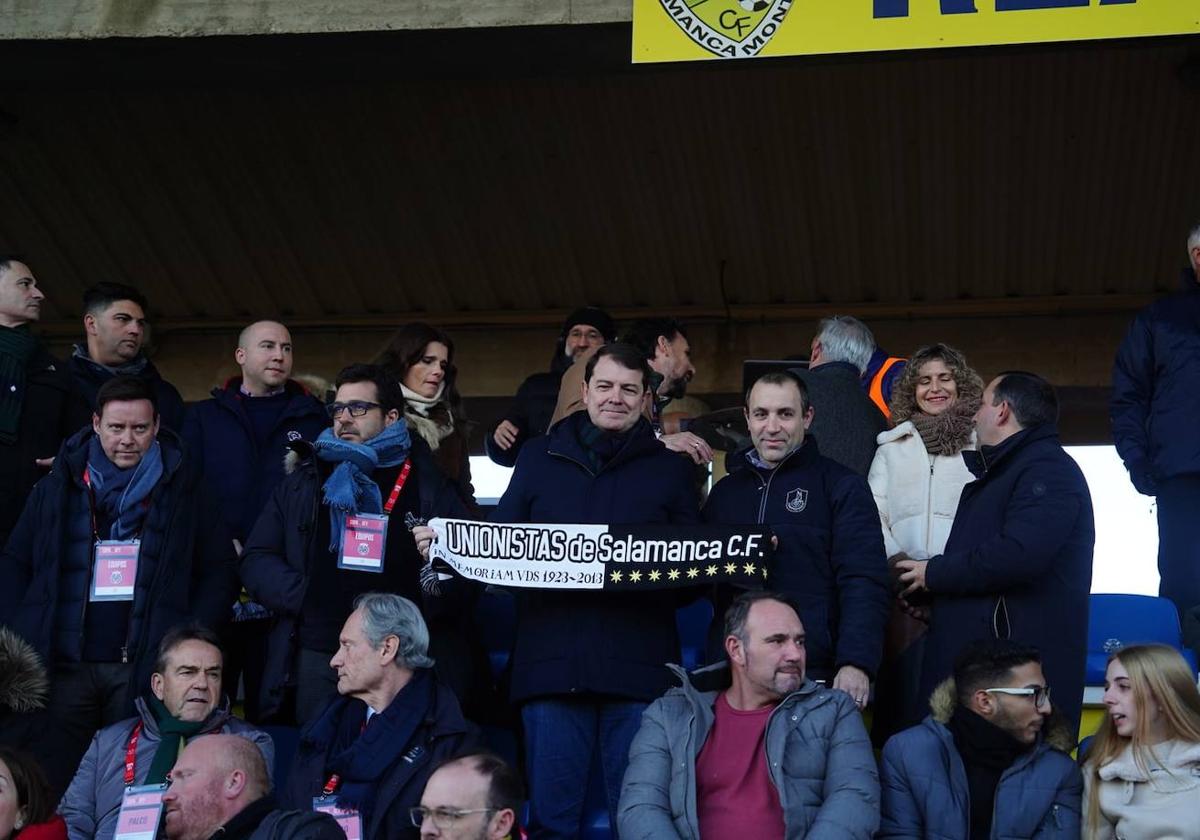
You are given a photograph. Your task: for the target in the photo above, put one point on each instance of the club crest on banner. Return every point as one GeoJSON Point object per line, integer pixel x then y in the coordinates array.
{"type": "Point", "coordinates": [797, 500]}
{"type": "Point", "coordinates": [729, 28]}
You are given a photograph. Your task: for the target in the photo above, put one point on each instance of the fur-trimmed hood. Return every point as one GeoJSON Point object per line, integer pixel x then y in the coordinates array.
{"type": "Point", "coordinates": [944, 700]}
{"type": "Point", "coordinates": [23, 681]}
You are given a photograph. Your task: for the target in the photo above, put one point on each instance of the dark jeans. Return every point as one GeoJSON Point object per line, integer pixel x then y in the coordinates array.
{"type": "Point", "coordinates": [561, 737]}
{"type": "Point", "coordinates": [84, 697]}
{"type": "Point", "coordinates": [316, 684]}
{"type": "Point", "coordinates": [1179, 541]}
{"type": "Point", "coordinates": [245, 646]}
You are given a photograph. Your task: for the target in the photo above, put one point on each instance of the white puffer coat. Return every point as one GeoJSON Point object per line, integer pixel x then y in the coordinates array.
{"type": "Point", "coordinates": [916, 493]}
{"type": "Point", "coordinates": [1161, 805]}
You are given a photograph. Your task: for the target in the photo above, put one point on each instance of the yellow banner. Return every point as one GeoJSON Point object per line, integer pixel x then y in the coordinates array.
{"type": "Point", "coordinates": [688, 30]}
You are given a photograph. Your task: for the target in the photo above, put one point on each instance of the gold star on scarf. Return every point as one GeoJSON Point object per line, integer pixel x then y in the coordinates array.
{"type": "Point", "coordinates": [673, 574]}
{"type": "Point", "coordinates": [635, 577]}
{"type": "Point", "coordinates": [655, 575]}
{"type": "Point", "coordinates": [615, 577]}
{"type": "Point", "coordinates": [710, 571]}
{"type": "Point", "coordinates": [693, 573]}
{"type": "Point", "coordinates": [749, 568]}
{"type": "Point", "coordinates": [730, 568]}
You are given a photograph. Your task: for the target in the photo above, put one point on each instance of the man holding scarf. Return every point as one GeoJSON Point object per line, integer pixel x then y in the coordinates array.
{"type": "Point", "coordinates": [585, 664]}
{"type": "Point", "coordinates": [337, 527]}
{"type": "Point", "coordinates": [115, 546]}
{"type": "Point", "coordinates": [184, 702]}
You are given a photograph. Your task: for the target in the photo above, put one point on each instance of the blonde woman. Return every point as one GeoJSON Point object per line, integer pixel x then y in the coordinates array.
{"type": "Point", "coordinates": [917, 476]}
{"type": "Point", "coordinates": [1142, 776]}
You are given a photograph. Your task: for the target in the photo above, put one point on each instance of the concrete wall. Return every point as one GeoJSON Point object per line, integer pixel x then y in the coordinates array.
{"type": "Point", "coordinates": [42, 19]}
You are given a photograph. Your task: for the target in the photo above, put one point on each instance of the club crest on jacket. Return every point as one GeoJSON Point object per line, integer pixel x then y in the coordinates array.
{"type": "Point", "coordinates": [797, 500]}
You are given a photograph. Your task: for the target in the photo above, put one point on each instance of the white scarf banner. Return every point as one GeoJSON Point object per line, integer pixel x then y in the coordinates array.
{"type": "Point", "coordinates": [608, 557]}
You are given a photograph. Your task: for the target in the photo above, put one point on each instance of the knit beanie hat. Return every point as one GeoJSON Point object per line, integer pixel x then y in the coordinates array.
{"type": "Point", "coordinates": [593, 317]}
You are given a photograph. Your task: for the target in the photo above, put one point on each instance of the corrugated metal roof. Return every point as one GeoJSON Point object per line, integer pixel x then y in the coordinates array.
{"type": "Point", "coordinates": [234, 177]}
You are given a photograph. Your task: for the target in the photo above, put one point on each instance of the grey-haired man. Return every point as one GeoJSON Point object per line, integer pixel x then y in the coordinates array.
{"type": "Point", "coordinates": [371, 750]}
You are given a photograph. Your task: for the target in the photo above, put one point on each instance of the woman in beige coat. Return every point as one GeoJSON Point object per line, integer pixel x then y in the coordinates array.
{"type": "Point", "coordinates": [1142, 776]}
{"type": "Point", "coordinates": [917, 476]}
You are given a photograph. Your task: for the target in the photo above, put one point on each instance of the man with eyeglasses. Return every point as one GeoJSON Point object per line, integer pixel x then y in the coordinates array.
{"type": "Point", "coordinates": [476, 796]}
{"type": "Point", "coordinates": [338, 526]}
{"type": "Point", "coordinates": [989, 761]}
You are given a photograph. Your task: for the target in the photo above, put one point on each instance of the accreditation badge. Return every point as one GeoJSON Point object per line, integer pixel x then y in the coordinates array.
{"type": "Point", "coordinates": [141, 812]}
{"type": "Point", "coordinates": [363, 539]}
{"type": "Point", "coordinates": [348, 818]}
{"type": "Point", "coordinates": [114, 570]}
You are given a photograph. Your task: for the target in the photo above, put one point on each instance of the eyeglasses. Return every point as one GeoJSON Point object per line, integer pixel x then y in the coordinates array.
{"type": "Point", "coordinates": [444, 818]}
{"type": "Point", "coordinates": [1040, 694]}
{"type": "Point", "coordinates": [357, 408]}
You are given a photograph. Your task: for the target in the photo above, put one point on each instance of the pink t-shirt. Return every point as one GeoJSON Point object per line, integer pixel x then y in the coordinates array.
{"type": "Point", "coordinates": [734, 794]}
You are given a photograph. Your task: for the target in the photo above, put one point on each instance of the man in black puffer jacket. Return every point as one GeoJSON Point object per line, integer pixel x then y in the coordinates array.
{"type": "Point", "coordinates": [830, 556]}
{"type": "Point", "coordinates": [586, 664]}
{"type": "Point", "coordinates": [39, 404]}
{"type": "Point", "coordinates": [291, 563]}
{"type": "Point", "coordinates": [1154, 410]}
{"type": "Point", "coordinates": [120, 490]}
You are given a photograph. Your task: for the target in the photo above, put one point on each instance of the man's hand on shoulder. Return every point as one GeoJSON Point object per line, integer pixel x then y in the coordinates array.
{"type": "Point", "coordinates": [689, 444]}
{"type": "Point", "coordinates": [855, 682]}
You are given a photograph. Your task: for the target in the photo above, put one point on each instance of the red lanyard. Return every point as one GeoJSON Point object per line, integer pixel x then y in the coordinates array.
{"type": "Point", "coordinates": [131, 754]}
{"type": "Point", "coordinates": [400, 481]}
{"type": "Point", "coordinates": [87, 481]}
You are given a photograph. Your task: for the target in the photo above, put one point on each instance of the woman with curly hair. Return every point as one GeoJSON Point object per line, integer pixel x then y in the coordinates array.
{"type": "Point", "coordinates": [421, 358]}
{"type": "Point", "coordinates": [917, 476]}
{"type": "Point", "coordinates": [1142, 774]}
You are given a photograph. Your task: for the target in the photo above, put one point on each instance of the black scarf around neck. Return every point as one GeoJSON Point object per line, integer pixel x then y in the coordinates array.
{"type": "Point", "coordinates": [600, 445]}
{"type": "Point", "coordinates": [986, 751]}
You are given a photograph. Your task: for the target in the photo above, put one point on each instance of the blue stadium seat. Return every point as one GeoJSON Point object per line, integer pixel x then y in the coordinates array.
{"type": "Point", "coordinates": [692, 622]}
{"type": "Point", "coordinates": [1116, 621]}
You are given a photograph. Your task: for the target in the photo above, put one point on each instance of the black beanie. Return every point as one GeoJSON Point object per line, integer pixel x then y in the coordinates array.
{"type": "Point", "coordinates": [593, 317]}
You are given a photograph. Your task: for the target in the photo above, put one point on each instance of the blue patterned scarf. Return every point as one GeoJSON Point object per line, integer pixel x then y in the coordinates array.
{"type": "Point", "coordinates": [120, 493]}
{"type": "Point", "coordinates": [350, 489]}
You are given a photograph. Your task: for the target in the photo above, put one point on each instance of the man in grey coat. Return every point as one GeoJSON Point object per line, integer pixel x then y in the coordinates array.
{"type": "Point", "coordinates": [989, 762]}
{"type": "Point", "coordinates": [752, 748]}
{"type": "Point", "coordinates": [220, 788]}
{"type": "Point", "coordinates": [184, 702]}
{"type": "Point", "coordinates": [845, 421]}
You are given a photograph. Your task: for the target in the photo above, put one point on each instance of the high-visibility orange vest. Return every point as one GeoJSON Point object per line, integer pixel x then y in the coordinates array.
{"type": "Point", "coordinates": [876, 390]}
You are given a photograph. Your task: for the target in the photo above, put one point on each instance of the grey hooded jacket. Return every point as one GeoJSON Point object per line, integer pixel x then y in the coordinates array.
{"type": "Point", "coordinates": [926, 797]}
{"type": "Point", "coordinates": [92, 802]}
{"type": "Point", "coordinates": [818, 756]}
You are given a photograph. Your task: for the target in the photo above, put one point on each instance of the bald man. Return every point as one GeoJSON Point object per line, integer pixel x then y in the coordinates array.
{"type": "Point", "coordinates": [240, 438]}
{"type": "Point", "coordinates": [219, 787]}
